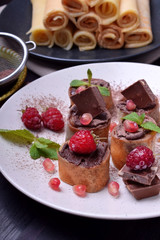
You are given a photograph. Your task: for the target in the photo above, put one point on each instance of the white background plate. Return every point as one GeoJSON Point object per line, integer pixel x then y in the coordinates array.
{"type": "Point", "coordinates": [28, 175]}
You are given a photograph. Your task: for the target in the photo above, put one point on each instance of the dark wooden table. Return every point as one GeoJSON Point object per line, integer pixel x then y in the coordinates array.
{"type": "Point", "coordinates": [22, 218]}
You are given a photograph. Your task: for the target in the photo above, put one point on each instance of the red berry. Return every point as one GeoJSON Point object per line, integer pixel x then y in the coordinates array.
{"type": "Point", "coordinates": [53, 119]}
{"type": "Point", "coordinates": [54, 183]}
{"type": "Point", "coordinates": [86, 118]}
{"type": "Point", "coordinates": [31, 118]}
{"type": "Point", "coordinates": [82, 142]}
{"type": "Point", "coordinates": [113, 188]}
{"type": "Point", "coordinates": [112, 126]}
{"type": "Point", "coordinates": [48, 165]}
{"type": "Point", "coordinates": [130, 105]}
{"type": "Point", "coordinates": [130, 126]}
{"type": "Point", "coordinates": [140, 158]}
{"type": "Point", "coordinates": [80, 190]}
{"type": "Point", "coordinates": [80, 89]}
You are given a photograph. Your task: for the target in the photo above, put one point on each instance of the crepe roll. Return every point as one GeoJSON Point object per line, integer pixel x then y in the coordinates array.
{"type": "Point", "coordinates": [55, 16]}
{"type": "Point", "coordinates": [92, 3]}
{"type": "Point", "coordinates": [39, 34]}
{"type": "Point", "coordinates": [75, 8]}
{"type": "Point", "coordinates": [110, 37]}
{"type": "Point", "coordinates": [128, 15]}
{"type": "Point", "coordinates": [141, 36]}
{"type": "Point", "coordinates": [108, 10]}
{"type": "Point", "coordinates": [88, 22]}
{"type": "Point", "coordinates": [84, 40]}
{"type": "Point", "coordinates": [64, 37]}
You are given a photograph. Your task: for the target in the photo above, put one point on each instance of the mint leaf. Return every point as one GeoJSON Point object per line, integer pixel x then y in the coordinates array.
{"type": "Point", "coordinates": [18, 136]}
{"type": "Point", "coordinates": [89, 73]}
{"type": "Point", "coordinates": [44, 140]}
{"type": "Point", "coordinates": [34, 152]}
{"type": "Point", "coordinates": [151, 126]}
{"type": "Point", "coordinates": [135, 117]}
{"type": "Point", "coordinates": [78, 83]}
{"type": "Point", "coordinates": [104, 91]}
{"type": "Point", "coordinates": [48, 153]}
{"type": "Point", "coordinates": [40, 145]}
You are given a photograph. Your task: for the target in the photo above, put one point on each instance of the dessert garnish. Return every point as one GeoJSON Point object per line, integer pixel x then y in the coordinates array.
{"type": "Point", "coordinates": [79, 83]}
{"type": "Point", "coordinates": [48, 165]}
{"type": "Point", "coordinates": [86, 118]}
{"type": "Point", "coordinates": [113, 189]}
{"type": "Point", "coordinates": [39, 146]}
{"type": "Point", "coordinates": [82, 142]}
{"type": "Point", "coordinates": [31, 118]}
{"type": "Point", "coordinates": [54, 183]}
{"type": "Point", "coordinates": [89, 101]}
{"type": "Point", "coordinates": [140, 120]}
{"type": "Point", "coordinates": [141, 94]}
{"type": "Point", "coordinates": [80, 190]}
{"type": "Point", "coordinates": [130, 105]}
{"type": "Point", "coordinates": [53, 119]}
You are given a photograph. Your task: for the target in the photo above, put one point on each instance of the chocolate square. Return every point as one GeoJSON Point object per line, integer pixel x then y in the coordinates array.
{"type": "Point", "coordinates": [141, 94]}
{"type": "Point", "coordinates": [144, 177]}
{"type": "Point", "coordinates": [90, 101]}
{"type": "Point", "coordinates": [140, 191]}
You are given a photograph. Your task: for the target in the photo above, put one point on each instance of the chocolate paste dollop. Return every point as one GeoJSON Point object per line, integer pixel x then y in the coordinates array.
{"type": "Point", "coordinates": [94, 81]}
{"type": "Point", "coordinates": [120, 132]}
{"type": "Point", "coordinates": [85, 160]}
{"type": "Point", "coordinates": [100, 120]}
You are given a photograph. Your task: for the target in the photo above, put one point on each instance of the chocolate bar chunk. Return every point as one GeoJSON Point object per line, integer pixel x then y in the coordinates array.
{"type": "Point", "coordinates": [141, 94]}
{"type": "Point", "coordinates": [89, 101]}
{"type": "Point", "coordinates": [144, 177]}
{"type": "Point", "coordinates": [140, 191]}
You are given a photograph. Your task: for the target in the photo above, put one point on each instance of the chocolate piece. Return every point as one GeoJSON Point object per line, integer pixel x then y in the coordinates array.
{"type": "Point", "coordinates": [141, 94]}
{"type": "Point", "coordinates": [144, 177]}
{"type": "Point", "coordinates": [140, 191]}
{"type": "Point", "coordinates": [89, 101]}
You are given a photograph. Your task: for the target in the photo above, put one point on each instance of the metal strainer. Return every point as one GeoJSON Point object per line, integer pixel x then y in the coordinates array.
{"type": "Point", "coordinates": [13, 56]}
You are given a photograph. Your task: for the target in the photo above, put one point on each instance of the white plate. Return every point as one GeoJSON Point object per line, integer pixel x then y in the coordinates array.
{"type": "Point", "coordinates": [28, 175]}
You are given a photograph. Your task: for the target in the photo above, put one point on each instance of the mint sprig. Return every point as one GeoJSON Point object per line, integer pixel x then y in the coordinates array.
{"type": "Point", "coordinates": [39, 146]}
{"type": "Point", "coordinates": [139, 119]}
{"type": "Point", "coordinates": [77, 83]}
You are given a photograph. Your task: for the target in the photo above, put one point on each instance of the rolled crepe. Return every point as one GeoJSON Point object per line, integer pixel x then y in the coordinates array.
{"type": "Point", "coordinates": [89, 22]}
{"type": "Point", "coordinates": [39, 34]}
{"type": "Point", "coordinates": [92, 3]}
{"type": "Point", "coordinates": [108, 10]}
{"type": "Point", "coordinates": [128, 15]}
{"type": "Point", "coordinates": [110, 37]}
{"type": "Point", "coordinates": [84, 40]}
{"type": "Point", "coordinates": [141, 36]}
{"type": "Point", "coordinates": [75, 8]}
{"type": "Point", "coordinates": [64, 37]}
{"type": "Point", "coordinates": [55, 17]}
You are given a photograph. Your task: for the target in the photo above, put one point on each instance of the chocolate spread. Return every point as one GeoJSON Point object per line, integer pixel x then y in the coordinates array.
{"type": "Point", "coordinates": [87, 160]}
{"type": "Point", "coordinates": [100, 120]}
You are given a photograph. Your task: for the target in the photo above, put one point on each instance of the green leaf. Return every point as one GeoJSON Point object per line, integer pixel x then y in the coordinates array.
{"type": "Point", "coordinates": [54, 145]}
{"type": "Point", "coordinates": [48, 153]}
{"type": "Point", "coordinates": [34, 152]}
{"type": "Point", "coordinates": [40, 145]}
{"type": "Point", "coordinates": [78, 83]}
{"type": "Point", "coordinates": [18, 136]}
{"type": "Point", "coordinates": [44, 140]}
{"type": "Point", "coordinates": [135, 117]}
{"type": "Point", "coordinates": [104, 91]}
{"type": "Point", "coordinates": [151, 126]}
{"type": "Point", "coordinates": [89, 74]}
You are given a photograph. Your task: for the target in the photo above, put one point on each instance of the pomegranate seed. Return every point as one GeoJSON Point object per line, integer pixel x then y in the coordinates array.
{"type": "Point", "coordinates": [48, 165]}
{"type": "Point", "coordinates": [80, 190]}
{"type": "Point", "coordinates": [130, 105]}
{"type": "Point", "coordinates": [54, 183]}
{"type": "Point", "coordinates": [112, 126]}
{"type": "Point", "coordinates": [86, 118]}
{"type": "Point", "coordinates": [80, 89]}
{"type": "Point", "coordinates": [130, 126]}
{"type": "Point", "coordinates": [113, 188]}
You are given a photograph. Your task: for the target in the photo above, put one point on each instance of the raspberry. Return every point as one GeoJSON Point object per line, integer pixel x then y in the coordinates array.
{"type": "Point", "coordinates": [31, 118]}
{"type": "Point", "coordinates": [82, 142]}
{"type": "Point", "coordinates": [140, 158]}
{"type": "Point", "coordinates": [53, 119]}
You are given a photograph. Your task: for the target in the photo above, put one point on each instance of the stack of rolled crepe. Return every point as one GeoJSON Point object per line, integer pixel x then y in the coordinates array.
{"type": "Point", "coordinates": [110, 24]}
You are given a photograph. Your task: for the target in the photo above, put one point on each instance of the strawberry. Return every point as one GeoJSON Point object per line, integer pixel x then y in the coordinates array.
{"type": "Point", "coordinates": [82, 142]}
